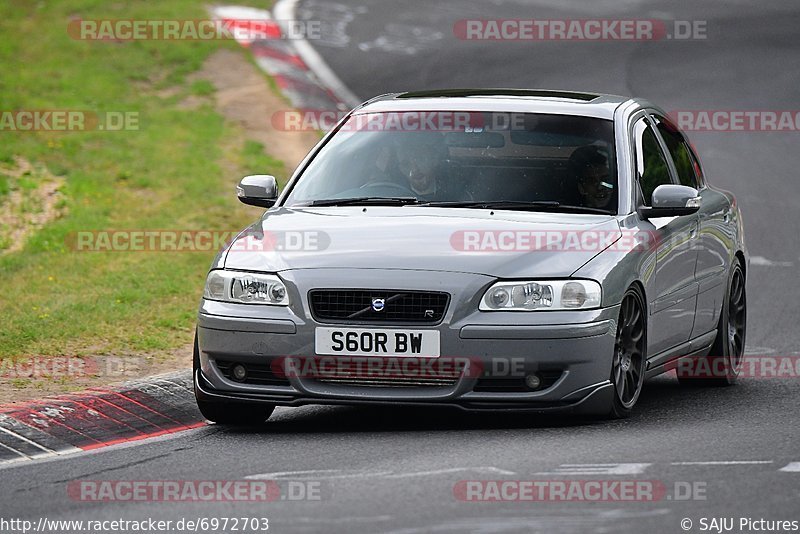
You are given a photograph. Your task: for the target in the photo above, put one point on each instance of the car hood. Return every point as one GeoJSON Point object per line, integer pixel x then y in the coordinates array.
{"type": "Point", "coordinates": [492, 243]}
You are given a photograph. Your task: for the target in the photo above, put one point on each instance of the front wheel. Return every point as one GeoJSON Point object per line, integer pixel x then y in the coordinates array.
{"type": "Point", "coordinates": [628, 364]}
{"type": "Point", "coordinates": [233, 413]}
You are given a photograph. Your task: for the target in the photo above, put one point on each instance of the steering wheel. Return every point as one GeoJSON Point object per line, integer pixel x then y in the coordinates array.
{"type": "Point", "coordinates": [390, 185]}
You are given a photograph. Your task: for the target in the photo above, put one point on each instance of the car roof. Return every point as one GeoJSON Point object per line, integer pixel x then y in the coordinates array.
{"type": "Point", "coordinates": [500, 100]}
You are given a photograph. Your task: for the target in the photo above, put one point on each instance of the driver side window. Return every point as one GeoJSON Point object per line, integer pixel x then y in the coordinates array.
{"type": "Point", "coordinates": [651, 164]}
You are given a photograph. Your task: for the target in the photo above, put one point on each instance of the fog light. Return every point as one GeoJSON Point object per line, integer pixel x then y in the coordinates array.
{"type": "Point", "coordinates": [533, 381]}
{"type": "Point", "coordinates": [238, 372]}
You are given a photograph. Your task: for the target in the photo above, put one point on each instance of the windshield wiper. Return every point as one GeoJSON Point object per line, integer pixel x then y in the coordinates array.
{"type": "Point", "coordinates": [365, 201]}
{"type": "Point", "coordinates": [501, 204]}
{"type": "Point", "coordinates": [533, 205]}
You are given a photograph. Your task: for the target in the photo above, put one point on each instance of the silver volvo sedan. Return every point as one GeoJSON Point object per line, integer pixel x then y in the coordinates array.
{"type": "Point", "coordinates": [486, 249]}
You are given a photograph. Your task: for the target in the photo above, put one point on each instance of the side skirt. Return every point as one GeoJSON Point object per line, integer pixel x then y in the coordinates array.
{"type": "Point", "coordinates": [665, 361]}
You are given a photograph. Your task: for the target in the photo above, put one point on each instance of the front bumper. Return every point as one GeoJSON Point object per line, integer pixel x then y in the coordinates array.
{"type": "Point", "coordinates": [577, 346]}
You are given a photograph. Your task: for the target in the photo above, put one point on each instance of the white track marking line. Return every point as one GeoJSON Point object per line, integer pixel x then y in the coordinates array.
{"type": "Point", "coordinates": [493, 470]}
{"type": "Point", "coordinates": [598, 469]}
{"type": "Point", "coordinates": [761, 261]}
{"type": "Point", "coordinates": [791, 467]}
{"type": "Point", "coordinates": [45, 450]}
{"type": "Point", "coordinates": [284, 10]}
{"type": "Point", "coordinates": [340, 473]}
{"type": "Point", "coordinates": [594, 465]}
{"type": "Point", "coordinates": [77, 453]}
{"type": "Point", "coordinates": [725, 462]}
{"type": "Point", "coordinates": [22, 456]}
{"type": "Point", "coordinates": [316, 474]}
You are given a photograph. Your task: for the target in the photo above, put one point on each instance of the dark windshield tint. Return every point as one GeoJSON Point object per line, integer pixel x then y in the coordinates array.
{"type": "Point", "coordinates": [448, 157]}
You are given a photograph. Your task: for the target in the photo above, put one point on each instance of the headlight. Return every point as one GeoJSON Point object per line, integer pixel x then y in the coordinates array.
{"type": "Point", "coordinates": [245, 288]}
{"type": "Point", "coordinates": [542, 295]}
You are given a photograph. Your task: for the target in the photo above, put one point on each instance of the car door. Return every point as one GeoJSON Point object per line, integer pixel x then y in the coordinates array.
{"type": "Point", "coordinates": [713, 238]}
{"type": "Point", "coordinates": [673, 290]}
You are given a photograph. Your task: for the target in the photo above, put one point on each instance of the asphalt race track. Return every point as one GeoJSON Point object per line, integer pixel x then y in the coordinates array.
{"type": "Point", "coordinates": [398, 470]}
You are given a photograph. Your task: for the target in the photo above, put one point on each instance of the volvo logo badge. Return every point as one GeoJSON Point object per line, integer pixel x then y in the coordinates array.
{"type": "Point", "coordinates": [378, 304]}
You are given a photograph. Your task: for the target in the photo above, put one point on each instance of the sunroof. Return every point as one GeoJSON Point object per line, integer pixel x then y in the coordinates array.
{"type": "Point", "coordinates": [443, 93]}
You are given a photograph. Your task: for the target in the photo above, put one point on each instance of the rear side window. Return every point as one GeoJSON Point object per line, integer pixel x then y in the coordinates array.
{"type": "Point", "coordinates": [651, 164]}
{"type": "Point", "coordinates": [681, 154]}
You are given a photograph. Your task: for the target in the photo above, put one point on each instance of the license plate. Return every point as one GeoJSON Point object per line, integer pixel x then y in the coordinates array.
{"type": "Point", "coordinates": [377, 342]}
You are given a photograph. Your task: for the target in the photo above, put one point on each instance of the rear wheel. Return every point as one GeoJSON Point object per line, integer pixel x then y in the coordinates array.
{"type": "Point", "coordinates": [229, 413]}
{"type": "Point", "coordinates": [723, 364]}
{"type": "Point", "coordinates": [628, 364]}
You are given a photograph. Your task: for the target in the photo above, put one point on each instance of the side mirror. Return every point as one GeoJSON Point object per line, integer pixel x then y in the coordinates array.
{"type": "Point", "coordinates": [671, 200]}
{"type": "Point", "coordinates": [258, 190]}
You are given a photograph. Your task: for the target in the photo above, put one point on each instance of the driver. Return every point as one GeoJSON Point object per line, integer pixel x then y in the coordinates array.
{"type": "Point", "coordinates": [421, 158]}
{"type": "Point", "coordinates": [590, 165]}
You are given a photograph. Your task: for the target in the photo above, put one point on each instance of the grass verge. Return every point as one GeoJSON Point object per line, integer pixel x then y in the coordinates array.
{"type": "Point", "coordinates": [168, 174]}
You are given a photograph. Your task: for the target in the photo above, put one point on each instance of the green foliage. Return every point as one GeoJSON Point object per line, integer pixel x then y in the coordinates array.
{"type": "Point", "coordinates": [164, 175]}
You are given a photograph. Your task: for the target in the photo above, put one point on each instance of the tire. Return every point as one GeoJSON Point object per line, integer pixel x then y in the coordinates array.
{"type": "Point", "coordinates": [724, 362]}
{"type": "Point", "coordinates": [235, 414]}
{"type": "Point", "coordinates": [630, 355]}
{"type": "Point", "coordinates": [229, 413]}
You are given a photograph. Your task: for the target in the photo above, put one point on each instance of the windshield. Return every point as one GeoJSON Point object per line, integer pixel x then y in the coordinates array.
{"type": "Point", "coordinates": [465, 158]}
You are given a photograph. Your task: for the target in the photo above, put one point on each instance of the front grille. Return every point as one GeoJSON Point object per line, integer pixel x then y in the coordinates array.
{"type": "Point", "coordinates": [356, 306]}
{"type": "Point", "coordinates": [510, 384]}
{"type": "Point", "coordinates": [257, 374]}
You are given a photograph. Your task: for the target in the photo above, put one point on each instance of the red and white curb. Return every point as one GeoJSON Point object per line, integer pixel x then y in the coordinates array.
{"type": "Point", "coordinates": [97, 418]}
{"type": "Point", "coordinates": [298, 70]}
